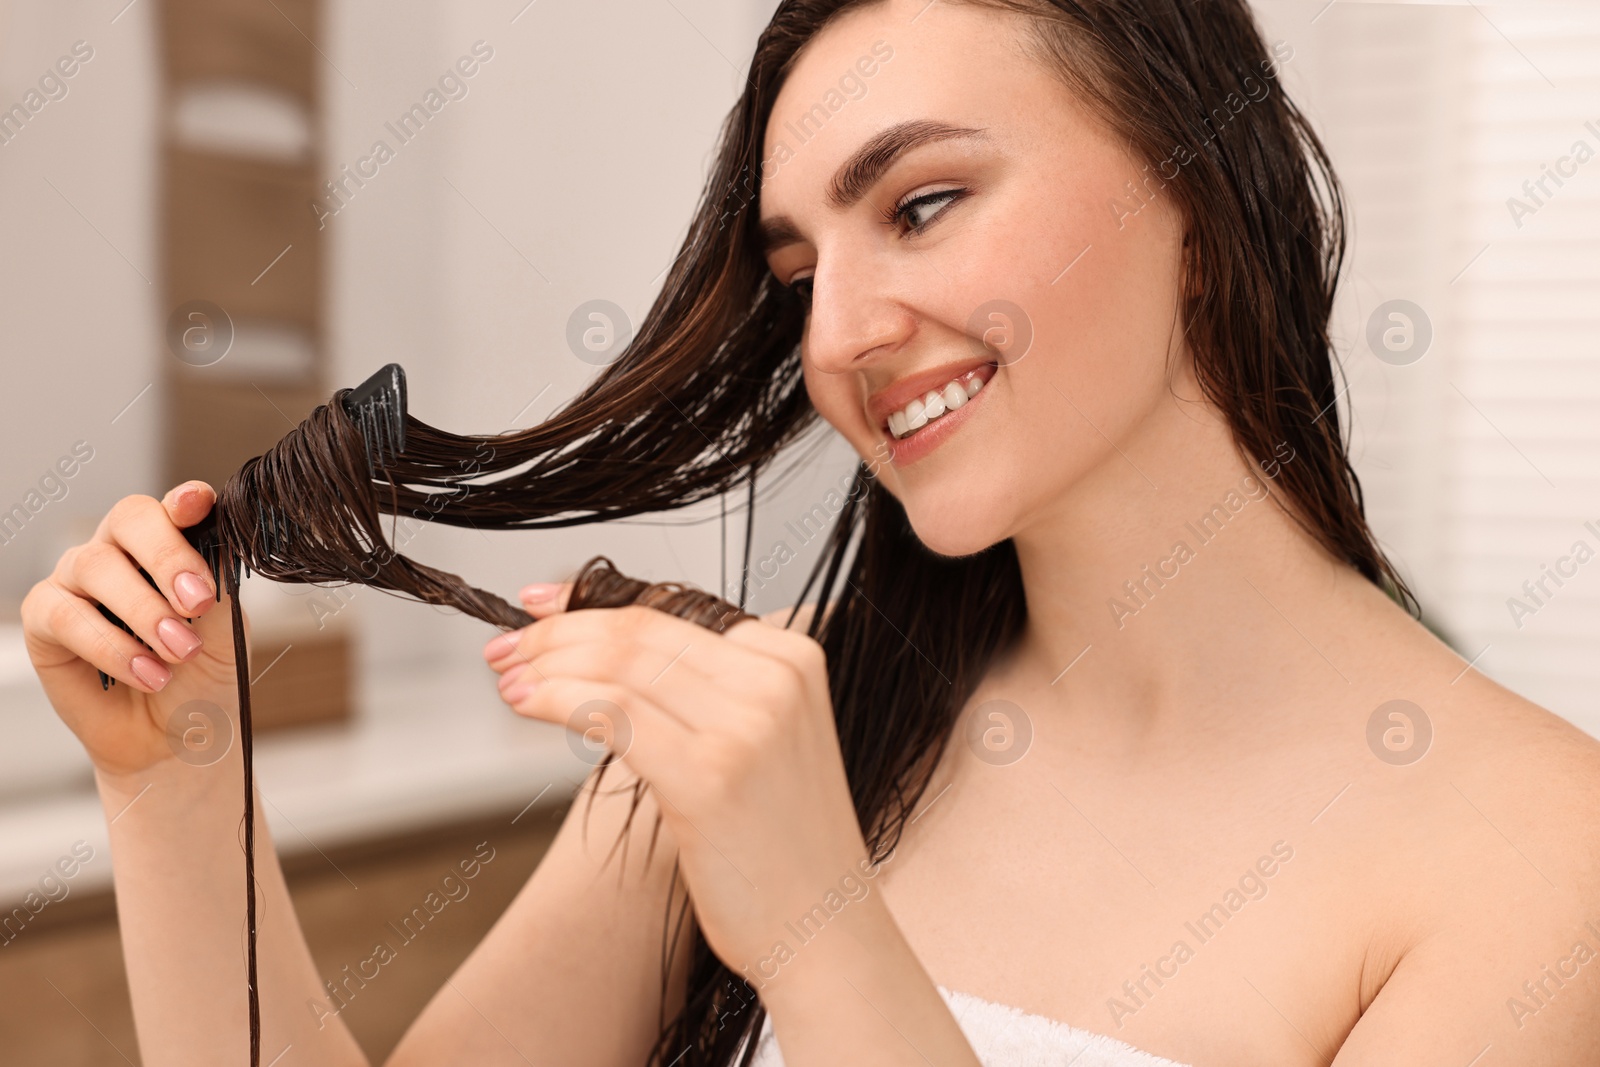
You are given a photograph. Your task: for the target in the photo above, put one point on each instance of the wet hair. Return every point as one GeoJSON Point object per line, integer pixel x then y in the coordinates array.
{"type": "Point", "coordinates": [308, 510]}
{"type": "Point", "coordinates": [710, 390]}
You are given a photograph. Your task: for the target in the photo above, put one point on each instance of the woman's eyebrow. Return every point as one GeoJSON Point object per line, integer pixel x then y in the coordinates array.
{"type": "Point", "coordinates": [862, 170]}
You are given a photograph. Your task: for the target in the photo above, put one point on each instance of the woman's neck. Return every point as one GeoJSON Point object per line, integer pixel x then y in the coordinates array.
{"type": "Point", "coordinates": [1169, 579]}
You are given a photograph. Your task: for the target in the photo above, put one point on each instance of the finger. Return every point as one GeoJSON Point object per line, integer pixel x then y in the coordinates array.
{"type": "Point", "coordinates": [791, 646]}
{"type": "Point", "coordinates": [103, 572]}
{"type": "Point", "coordinates": [682, 691]}
{"type": "Point", "coordinates": [546, 598]}
{"type": "Point", "coordinates": [189, 502]}
{"type": "Point", "coordinates": [539, 600]}
{"type": "Point", "coordinates": [144, 527]}
{"type": "Point", "coordinates": [604, 715]}
{"type": "Point", "coordinates": [77, 626]}
{"type": "Point", "coordinates": [633, 624]}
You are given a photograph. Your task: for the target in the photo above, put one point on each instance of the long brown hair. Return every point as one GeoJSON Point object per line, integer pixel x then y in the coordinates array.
{"type": "Point", "coordinates": [908, 633]}
{"type": "Point", "coordinates": [710, 391]}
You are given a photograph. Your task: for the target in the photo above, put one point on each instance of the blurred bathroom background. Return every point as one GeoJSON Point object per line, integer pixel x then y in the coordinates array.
{"type": "Point", "coordinates": [201, 241]}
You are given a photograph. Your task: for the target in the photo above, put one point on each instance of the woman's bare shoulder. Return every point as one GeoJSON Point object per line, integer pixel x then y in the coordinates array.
{"type": "Point", "coordinates": [1542, 767]}
{"type": "Point", "coordinates": [1490, 859]}
{"type": "Point", "coordinates": [1486, 768]}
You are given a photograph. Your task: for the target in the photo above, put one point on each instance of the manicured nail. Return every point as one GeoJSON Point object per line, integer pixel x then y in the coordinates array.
{"type": "Point", "coordinates": [501, 645]}
{"type": "Point", "coordinates": [539, 592]}
{"type": "Point", "coordinates": [512, 676]}
{"type": "Point", "coordinates": [179, 639]}
{"type": "Point", "coordinates": [521, 688]}
{"type": "Point", "coordinates": [150, 671]}
{"type": "Point", "coordinates": [192, 591]}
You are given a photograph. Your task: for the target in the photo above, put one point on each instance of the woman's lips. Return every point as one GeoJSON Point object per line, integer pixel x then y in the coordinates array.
{"type": "Point", "coordinates": [909, 449]}
{"type": "Point", "coordinates": [936, 402]}
{"type": "Point", "coordinates": [899, 394]}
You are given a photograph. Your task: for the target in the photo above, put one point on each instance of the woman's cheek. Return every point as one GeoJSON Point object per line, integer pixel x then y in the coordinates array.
{"type": "Point", "coordinates": [835, 398]}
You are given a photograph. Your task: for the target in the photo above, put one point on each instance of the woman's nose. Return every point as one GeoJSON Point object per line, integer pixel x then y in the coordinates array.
{"type": "Point", "coordinates": [856, 312]}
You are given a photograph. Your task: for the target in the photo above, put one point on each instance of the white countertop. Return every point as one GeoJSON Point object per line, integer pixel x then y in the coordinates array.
{"type": "Point", "coordinates": [424, 748]}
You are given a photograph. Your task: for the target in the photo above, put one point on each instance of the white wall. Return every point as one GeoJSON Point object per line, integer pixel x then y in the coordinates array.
{"type": "Point", "coordinates": [1475, 456]}
{"type": "Point", "coordinates": [78, 320]}
{"type": "Point", "coordinates": [568, 172]}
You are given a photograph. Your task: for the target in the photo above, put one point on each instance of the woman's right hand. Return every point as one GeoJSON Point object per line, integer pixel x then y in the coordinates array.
{"type": "Point", "coordinates": [125, 729]}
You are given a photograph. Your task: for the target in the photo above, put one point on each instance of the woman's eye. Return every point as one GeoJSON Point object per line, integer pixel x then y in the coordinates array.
{"type": "Point", "coordinates": [914, 211]}
{"type": "Point", "coordinates": [917, 213]}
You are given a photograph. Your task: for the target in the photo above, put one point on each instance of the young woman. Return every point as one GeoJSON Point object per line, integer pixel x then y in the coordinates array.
{"type": "Point", "coordinates": [1117, 743]}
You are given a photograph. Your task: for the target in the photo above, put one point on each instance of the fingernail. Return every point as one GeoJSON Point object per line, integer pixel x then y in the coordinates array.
{"type": "Point", "coordinates": [521, 688]}
{"type": "Point", "coordinates": [179, 639]}
{"type": "Point", "coordinates": [192, 591]}
{"type": "Point", "coordinates": [501, 645]}
{"type": "Point", "coordinates": [512, 676]}
{"type": "Point", "coordinates": [539, 591]}
{"type": "Point", "coordinates": [151, 672]}
{"type": "Point", "coordinates": [180, 493]}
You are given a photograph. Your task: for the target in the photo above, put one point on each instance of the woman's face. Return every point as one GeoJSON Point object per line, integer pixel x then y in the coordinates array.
{"type": "Point", "coordinates": [1015, 220]}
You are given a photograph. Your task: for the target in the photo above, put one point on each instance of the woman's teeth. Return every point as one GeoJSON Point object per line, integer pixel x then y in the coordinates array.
{"type": "Point", "coordinates": [917, 414]}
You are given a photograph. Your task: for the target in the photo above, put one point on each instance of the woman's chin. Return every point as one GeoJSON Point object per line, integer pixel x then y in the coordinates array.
{"type": "Point", "coordinates": [957, 534]}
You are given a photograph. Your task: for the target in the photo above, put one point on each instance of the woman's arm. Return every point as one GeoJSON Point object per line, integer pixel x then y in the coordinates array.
{"type": "Point", "coordinates": [571, 973]}
{"type": "Point", "coordinates": [179, 872]}
{"type": "Point", "coordinates": [858, 992]}
{"type": "Point", "coordinates": [735, 734]}
{"type": "Point", "coordinates": [572, 970]}
{"type": "Point", "coordinates": [176, 840]}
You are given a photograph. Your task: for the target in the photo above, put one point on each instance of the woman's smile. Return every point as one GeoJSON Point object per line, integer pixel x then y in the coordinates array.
{"type": "Point", "coordinates": [928, 420]}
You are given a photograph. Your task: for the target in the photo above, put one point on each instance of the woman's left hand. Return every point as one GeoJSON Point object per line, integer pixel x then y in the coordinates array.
{"type": "Point", "coordinates": [735, 734]}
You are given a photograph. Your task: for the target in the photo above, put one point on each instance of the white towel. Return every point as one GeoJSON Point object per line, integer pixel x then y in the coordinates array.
{"type": "Point", "coordinates": [1004, 1036]}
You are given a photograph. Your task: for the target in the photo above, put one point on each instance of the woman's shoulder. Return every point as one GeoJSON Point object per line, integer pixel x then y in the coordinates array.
{"type": "Point", "coordinates": [1471, 762]}
{"type": "Point", "coordinates": [1458, 823]}
{"type": "Point", "coordinates": [1486, 878]}
{"type": "Point", "coordinates": [1540, 770]}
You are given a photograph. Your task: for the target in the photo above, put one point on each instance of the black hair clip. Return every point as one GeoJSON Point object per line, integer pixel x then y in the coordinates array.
{"type": "Point", "coordinates": [272, 527]}
{"type": "Point", "coordinates": [378, 407]}
{"type": "Point", "coordinates": [206, 539]}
